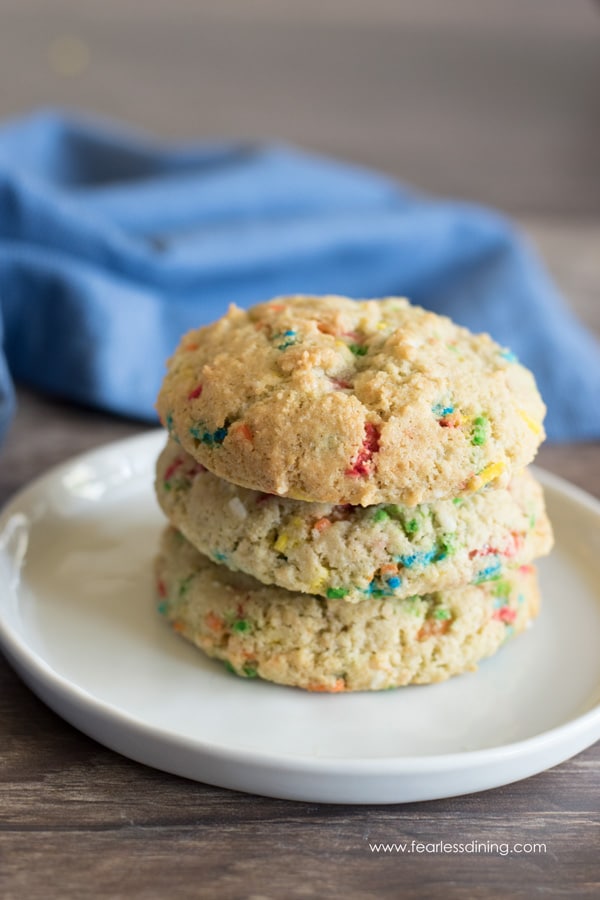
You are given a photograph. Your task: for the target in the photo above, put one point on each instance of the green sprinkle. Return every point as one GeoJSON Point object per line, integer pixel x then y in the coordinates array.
{"type": "Point", "coordinates": [229, 667]}
{"type": "Point", "coordinates": [162, 608]}
{"type": "Point", "coordinates": [446, 545]}
{"type": "Point", "coordinates": [413, 605]}
{"type": "Point", "coordinates": [336, 593]}
{"type": "Point", "coordinates": [411, 527]}
{"type": "Point", "coordinates": [479, 432]}
{"type": "Point", "coordinates": [502, 589]}
{"type": "Point", "coordinates": [184, 585]}
{"type": "Point", "coordinates": [380, 516]}
{"type": "Point", "coordinates": [241, 626]}
{"type": "Point", "coordinates": [249, 670]}
{"type": "Point", "coordinates": [458, 500]}
{"type": "Point", "coordinates": [442, 614]}
{"type": "Point", "coordinates": [358, 350]}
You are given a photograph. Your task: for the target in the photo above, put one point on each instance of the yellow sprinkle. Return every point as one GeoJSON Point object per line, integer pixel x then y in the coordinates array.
{"type": "Point", "coordinates": [317, 586]}
{"type": "Point", "coordinates": [382, 326]}
{"type": "Point", "coordinates": [535, 426]}
{"type": "Point", "coordinates": [297, 522]}
{"type": "Point", "coordinates": [281, 543]}
{"type": "Point", "coordinates": [298, 495]}
{"type": "Point", "coordinates": [340, 344]}
{"type": "Point", "coordinates": [493, 470]}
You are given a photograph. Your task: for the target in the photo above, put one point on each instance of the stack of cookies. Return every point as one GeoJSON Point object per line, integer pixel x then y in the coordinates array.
{"type": "Point", "coordinates": [347, 495]}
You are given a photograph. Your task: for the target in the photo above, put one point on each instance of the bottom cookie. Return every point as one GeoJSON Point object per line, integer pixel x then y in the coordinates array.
{"type": "Point", "coordinates": [330, 645]}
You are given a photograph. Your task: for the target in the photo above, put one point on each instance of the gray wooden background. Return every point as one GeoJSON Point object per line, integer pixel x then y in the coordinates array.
{"type": "Point", "coordinates": [492, 100]}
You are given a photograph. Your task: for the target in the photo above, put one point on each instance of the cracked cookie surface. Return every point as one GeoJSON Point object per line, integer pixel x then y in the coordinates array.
{"type": "Point", "coordinates": [326, 399]}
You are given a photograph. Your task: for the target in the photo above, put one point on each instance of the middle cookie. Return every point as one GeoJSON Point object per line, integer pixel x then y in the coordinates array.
{"type": "Point", "coordinates": [353, 552]}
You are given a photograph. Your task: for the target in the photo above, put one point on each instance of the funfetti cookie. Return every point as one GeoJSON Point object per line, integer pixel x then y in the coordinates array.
{"type": "Point", "coordinates": [354, 552]}
{"type": "Point", "coordinates": [329, 645]}
{"type": "Point", "coordinates": [326, 399]}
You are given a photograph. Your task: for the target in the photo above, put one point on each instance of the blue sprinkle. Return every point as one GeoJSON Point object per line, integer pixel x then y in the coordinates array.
{"type": "Point", "coordinates": [490, 572]}
{"type": "Point", "coordinates": [394, 582]}
{"type": "Point", "coordinates": [521, 599]}
{"type": "Point", "coordinates": [509, 356]}
{"type": "Point", "coordinates": [170, 423]}
{"type": "Point", "coordinates": [418, 559]}
{"type": "Point", "coordinates": [440, 411]}
{"type": "Point", "coordinates": [220, 557]}
{"type": "Point", "coordinates": [290, 334]}
{"type": "Point", "coordinates": [373, 590]}
{"type": "Point", "coordinates": [208, 437]}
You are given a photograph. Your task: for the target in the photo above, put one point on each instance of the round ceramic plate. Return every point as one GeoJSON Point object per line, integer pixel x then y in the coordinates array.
{"type": "Point", "coordinates": [78, 622]}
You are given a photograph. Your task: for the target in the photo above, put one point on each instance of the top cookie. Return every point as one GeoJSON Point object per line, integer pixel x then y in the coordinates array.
{"type": "Point", "coordinates": [342, 401]}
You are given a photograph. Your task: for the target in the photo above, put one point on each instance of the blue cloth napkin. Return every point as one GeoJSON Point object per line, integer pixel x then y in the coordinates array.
{"type": "Point", "coordinates": [113, 245]}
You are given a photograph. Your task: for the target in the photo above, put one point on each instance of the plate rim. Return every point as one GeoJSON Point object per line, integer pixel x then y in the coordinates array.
{"type": "Point", "coordinates": [25, 660]}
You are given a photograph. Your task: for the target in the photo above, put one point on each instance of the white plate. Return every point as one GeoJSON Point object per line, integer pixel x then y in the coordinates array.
{"type": "Point", "coordinates": [78, 622]}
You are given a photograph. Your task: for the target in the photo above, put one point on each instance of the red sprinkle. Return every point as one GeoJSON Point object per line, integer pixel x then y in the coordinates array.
{"type": "Point", "coordinates": [340, 384]}
{"type": "Point", "coordinates": [214, 622]}
{"type": "Point", "coordinates": [505, 614]}
{"type": "Point", "coordinates": [173, 468]}
{"type": "Point", "coordinates": [450, 421]}
{"type": "Point", "coordinates": [195, 469]}
{"type": "Point", "coordinates": [322, 524]}
{"type": "Point", "coordinates": [193, 395]}
{"type": "Point", "coordinates": [161, 588]}
{"type": "Point", "coordinates": [363, 463]}
{"type": "Point", "coordinates": [515, 546]}
{"type": "Point", "coordinates": [485, 551]}
{"type": "Point", "coordinates": [245, 432]}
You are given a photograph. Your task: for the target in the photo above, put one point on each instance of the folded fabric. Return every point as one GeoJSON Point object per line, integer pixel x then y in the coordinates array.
{"type": "Point", "coordinates": [112, 246]}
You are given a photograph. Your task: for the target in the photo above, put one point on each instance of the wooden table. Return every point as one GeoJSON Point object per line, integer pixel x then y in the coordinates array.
{"type": "Point", "coordinates": [494, 102]}
{"type": "Point", "coordinates": [81, 821]}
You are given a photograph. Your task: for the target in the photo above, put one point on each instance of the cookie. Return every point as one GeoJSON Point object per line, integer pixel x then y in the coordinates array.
{"type": "Point", "coordinates": [354, 552]}
{"type": "Point", "coordinates": [326, 399]}
{"type": "Point", "coordinates": [328, 645]}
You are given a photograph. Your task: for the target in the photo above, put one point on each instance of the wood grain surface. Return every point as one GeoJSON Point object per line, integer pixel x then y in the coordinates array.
{"type": "Point", "coordinates": [494, 102]}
